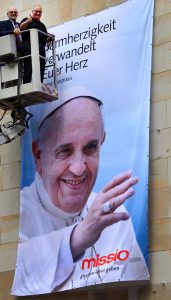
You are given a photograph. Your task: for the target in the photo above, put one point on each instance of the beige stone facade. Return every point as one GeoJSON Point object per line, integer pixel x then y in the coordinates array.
{"type": "Point", "coordinates": [160, 161]}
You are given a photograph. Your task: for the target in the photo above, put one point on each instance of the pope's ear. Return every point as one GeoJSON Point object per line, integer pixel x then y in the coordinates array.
{"type": "Point", "coordinates": [35, 149]}
{"type": "Point", "coordinates": [37, 155]}
{"type": "Point", "coordinates": [103, 137]}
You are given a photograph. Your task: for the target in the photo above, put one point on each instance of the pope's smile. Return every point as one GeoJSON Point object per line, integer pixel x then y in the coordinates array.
{"type": "Point", "coordinates": [73, 182]}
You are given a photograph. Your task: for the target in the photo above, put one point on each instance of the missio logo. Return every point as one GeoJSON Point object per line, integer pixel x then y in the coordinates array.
{"type": "Point", "coordinates": [105, 259]}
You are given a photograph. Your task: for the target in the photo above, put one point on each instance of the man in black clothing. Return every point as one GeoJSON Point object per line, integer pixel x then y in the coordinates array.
{"type": "Point", "coordinates": [33, 21]}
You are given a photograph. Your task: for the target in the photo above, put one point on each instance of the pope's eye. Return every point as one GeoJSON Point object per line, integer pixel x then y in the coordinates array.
{"type": "Point", "coordinates": [91, 148]}
{"type": "Point", "coordinates": [64, 153]}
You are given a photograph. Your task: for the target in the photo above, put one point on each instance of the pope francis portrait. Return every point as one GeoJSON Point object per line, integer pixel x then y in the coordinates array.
{"type": "Point", "coordinates": [71, 237]}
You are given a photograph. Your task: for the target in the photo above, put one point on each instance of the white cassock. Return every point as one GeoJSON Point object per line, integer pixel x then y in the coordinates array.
{"type": "Point", "coordinates": [44, 260]}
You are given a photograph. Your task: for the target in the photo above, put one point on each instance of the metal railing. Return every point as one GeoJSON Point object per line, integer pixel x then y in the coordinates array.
{"type": "Point", "coordinates": [35, 56]}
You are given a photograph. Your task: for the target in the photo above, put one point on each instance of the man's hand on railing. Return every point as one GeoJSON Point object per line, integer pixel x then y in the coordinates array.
{"type": "Point", "coordinates": [17, 31]}
{"type": "Point", "coordinates": [50, 38]}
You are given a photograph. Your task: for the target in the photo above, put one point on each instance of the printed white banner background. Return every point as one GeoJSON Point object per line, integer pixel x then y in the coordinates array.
{"type": "Point", "coordinates": [110, 53]}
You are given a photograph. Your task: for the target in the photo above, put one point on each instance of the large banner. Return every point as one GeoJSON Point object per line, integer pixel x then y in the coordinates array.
{"type": "Point", "coordinates": [84, 180]}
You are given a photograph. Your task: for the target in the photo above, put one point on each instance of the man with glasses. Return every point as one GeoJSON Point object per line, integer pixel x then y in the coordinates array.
{"type": "Point", "coordinates": [10, 26]}
{"type": "Point", "coordinates": [33, 21]}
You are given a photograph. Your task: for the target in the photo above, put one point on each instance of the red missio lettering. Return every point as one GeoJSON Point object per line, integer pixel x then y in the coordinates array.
{"type": "Point", "coordinates": [105, 259]}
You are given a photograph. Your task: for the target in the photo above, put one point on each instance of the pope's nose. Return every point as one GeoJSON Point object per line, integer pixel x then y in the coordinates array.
{"type": "Point", "coordinates": [78, 167]}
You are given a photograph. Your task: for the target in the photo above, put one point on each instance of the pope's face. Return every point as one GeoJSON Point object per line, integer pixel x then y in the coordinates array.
{"type": "Point", "coordinates": [68, 163]}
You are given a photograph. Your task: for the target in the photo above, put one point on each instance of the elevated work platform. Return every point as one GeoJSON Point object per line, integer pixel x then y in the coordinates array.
{"type": "Point", "coordinates": [12, 91]}
{"type": "Point", "coordinates": [16, 95]}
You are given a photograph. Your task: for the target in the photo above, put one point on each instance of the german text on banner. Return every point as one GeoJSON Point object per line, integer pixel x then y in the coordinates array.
{"type": "Point", "coordinates": [84, 169]}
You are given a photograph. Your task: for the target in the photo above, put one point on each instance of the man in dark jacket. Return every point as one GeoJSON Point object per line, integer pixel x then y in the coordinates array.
{"type": "Point", "coordinates": [10, 26]}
